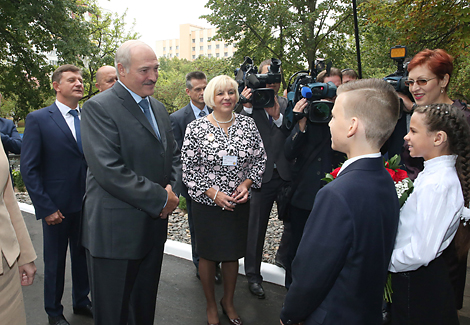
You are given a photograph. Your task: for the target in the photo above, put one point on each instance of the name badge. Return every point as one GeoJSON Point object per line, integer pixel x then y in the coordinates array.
{"type": "Point", "coordinates": [229, 160]}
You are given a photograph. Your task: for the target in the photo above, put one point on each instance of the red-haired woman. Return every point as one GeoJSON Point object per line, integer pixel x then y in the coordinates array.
{"type": "Point", "coordinates": [429, 76]}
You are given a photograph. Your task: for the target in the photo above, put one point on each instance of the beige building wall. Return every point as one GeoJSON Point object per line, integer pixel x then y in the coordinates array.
{"type": "Point", "coordinates": [193, 42]}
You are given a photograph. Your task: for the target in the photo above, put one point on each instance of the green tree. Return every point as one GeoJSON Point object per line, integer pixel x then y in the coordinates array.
{"type": "Point", "coordinates": [294, 31]}
{"type": "Point", "coordinates": [28, 29]}
{"type": "Point", "coordinates": [107, 33]}
{"type": "Point", "coordinates": [419, 24]}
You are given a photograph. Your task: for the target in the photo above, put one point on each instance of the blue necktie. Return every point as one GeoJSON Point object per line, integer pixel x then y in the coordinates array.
{"type": "Point", "coordinates": [270, 120]}
{"type": "Point", "coordinates": [202, 114]}
{"type": "Point", "coordinates": [78, 134]}
{"type": "Point", "coordinates": [145, 106]}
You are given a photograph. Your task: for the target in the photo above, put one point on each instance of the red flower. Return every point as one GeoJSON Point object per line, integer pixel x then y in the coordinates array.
{"type": "Point", "coordinates": [335, 172]}
{"type": "Point", "coordinates": [391, 172]}
{"type": "Point", "coordinates": [400, 175]}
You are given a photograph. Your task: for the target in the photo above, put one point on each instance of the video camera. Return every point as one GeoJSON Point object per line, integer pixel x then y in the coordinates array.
{"type": "Point", "coordinates": [397, 79]}
{"type": "Point", "coordinates": [305, 86]}
{"type": "Point", "coordinates": [247, 76]}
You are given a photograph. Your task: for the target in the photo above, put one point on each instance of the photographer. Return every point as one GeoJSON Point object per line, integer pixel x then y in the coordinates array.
{"type": "Point", "coordinates": [277, 174]}
{"type": "Point", "coordinates": [309, 144]}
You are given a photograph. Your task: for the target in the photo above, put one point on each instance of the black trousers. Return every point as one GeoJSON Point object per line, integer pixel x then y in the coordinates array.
{"type": "Point", "coordinates": [260, 209]}
{"type": "Point", "coordinates": [57, 239]}
{"type": "Point", "coordinates": [125, 291]}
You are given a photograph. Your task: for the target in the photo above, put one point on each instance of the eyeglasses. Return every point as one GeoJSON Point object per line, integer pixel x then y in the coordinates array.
{"type": "Point", "coordinates": [420, 82]}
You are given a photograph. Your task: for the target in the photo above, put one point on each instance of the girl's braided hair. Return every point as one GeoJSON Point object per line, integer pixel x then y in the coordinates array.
{"type": "Point", "coordinates": [451, 120]}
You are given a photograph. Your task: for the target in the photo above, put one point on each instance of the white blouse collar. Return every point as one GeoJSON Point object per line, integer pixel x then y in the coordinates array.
{"type": "Point", "coordinates": [439, 162]}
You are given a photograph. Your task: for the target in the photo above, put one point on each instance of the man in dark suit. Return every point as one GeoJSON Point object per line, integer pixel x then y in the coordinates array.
{"type": "Point", "coordinates": [341, 265]}
{"type": "Point", "coordinates": [196, 83]}
{"type": "Point", "coordinates": [133, 163]}
{"type": "Point", "coordinates": [54, 170]}
{"type": "Point", "coordinates": [277, 174]}
{"type": "Point", "coordinates": [11, 139]}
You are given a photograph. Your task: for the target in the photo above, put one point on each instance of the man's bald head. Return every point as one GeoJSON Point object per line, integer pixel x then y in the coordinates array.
{"type": "Point", "coordinates": [105, 77]}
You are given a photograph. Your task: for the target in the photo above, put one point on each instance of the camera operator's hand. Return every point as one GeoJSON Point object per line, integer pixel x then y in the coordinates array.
{"type": "Point", "coordinates": [407, 101]}
{"type": "Point", "coordinates": [247, 94]}
{"type": "Point", "coordinates": [274, 111]}
{"type": "Point", "coordinates": [299, 107]}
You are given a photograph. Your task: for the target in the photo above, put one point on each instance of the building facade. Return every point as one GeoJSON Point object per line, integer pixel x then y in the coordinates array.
{"type": "Point", "coordinates": [194, 41]}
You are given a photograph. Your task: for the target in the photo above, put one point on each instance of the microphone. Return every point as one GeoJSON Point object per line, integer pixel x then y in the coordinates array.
{"type": "Point", "coordinates": [306, 92]}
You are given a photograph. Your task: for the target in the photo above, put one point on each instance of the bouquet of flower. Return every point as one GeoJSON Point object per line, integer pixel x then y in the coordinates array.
{"type": "Point", "coordinates": [403, 186]}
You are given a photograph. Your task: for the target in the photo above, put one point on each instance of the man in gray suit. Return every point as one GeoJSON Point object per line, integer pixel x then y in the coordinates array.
{"type": "Point", "coordinates": [133, 162]}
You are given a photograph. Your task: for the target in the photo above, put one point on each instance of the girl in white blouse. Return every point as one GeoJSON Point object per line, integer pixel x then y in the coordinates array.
{"type": "Point", "coordinates": [422, 293]}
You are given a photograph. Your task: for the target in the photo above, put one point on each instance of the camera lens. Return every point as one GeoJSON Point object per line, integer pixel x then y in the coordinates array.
{"type": "Point", "coordinates": [320, 112]}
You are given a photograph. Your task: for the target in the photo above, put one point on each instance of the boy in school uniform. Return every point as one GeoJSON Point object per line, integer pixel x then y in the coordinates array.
{"type": "Point", "coordinates": [341, 265]}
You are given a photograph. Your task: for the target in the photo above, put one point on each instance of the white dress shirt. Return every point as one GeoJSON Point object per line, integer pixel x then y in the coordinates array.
{"type": "Point", "coordinates": [69, 119]}
{"type": "Point", "coordinates": [430, 217]}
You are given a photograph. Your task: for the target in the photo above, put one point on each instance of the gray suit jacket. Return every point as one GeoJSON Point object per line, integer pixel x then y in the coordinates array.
{"type": "Point", "coordinates": [128, 171]}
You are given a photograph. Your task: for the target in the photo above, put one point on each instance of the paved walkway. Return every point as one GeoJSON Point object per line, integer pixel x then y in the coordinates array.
{"type": "Point", "coordinates": [180, 298]}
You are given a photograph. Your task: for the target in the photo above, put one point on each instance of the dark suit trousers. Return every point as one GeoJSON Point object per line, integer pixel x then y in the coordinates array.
{"type": "Point", "coordinates": [298, 220]}
{"type": "Point", "coordinates": [56, 240]}
{"type": "Point", "coordinates": [260, 209]}
{"type": "Point", "coordinates": [191, 232]}
{"type": "Point", "coordinates": [125, 291]}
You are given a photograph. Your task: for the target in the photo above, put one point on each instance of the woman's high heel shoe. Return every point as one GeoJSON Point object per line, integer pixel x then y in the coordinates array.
{"type": "Point", "coordinates": [233, 321]}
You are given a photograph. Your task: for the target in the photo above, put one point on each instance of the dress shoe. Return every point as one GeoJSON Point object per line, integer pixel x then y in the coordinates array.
{"type": "Point", "coordinates": [58, 320]}
{"type": "Point", "coordinates": [85, 311]}
{"type": "Point", "coordinates": [257, 290]}
{"type": "Point", "coordinates": [218, 274]}
{"type": "Point", "coordinates": [233, 321]}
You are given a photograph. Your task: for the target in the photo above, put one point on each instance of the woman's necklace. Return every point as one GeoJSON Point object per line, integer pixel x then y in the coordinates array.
{"type": "Point", "coordinates": [223, 122]}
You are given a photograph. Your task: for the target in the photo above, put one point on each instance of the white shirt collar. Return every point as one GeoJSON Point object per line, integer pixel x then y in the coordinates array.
{"type": "Point", "coordinates": [136, 97]}
{"type": "Point", "coordinates": [64, 109]}
{"type": "Point", "coordinates": [353, 159]}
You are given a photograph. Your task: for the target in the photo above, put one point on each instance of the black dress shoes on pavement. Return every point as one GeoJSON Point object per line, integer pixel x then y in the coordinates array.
{"type": "Point", "coordinates": [257, 290]}
{"type": "Point", "coordinates": [84, 311]}
{"type": "Point", "coordinates": [58, 320]}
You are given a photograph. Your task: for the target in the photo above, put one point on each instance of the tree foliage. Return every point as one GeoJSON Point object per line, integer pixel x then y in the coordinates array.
{"type": "Point", "coordinates": [294, 31]}
{"type": "Point", "coordinates": [171, 84]}
{"type": "Point", "coordinates": [28, 29]}
{"type": "Point", "coordinates": [107, 32]}
{"type": "Point", "coordinates": [420, 24]}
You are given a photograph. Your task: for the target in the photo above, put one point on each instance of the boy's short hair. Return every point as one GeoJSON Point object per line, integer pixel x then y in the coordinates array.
{"type": "Point", "coordinates": [350, 73]}
{"type": "Point", "coordinates": [376, 103]}
{"type": "Point", "coordinates": [217, 83]}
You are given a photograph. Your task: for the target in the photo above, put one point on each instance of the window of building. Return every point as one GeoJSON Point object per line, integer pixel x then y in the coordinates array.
{"type": "Point", "coordinates": [209, 39]}
{"type": "Point", "coordinates": [177, 47]}
{"type": "Point", "coordinates": [194, 48]}
{"type": "Point", "coordinates": [210, 55]}
{"type": "Point", "coordinates": [201, 48]}
{"type": "Point", "coordinates": [164, 49]}
{"type": "Point", "coordinates": [217, 46]}
{"type": "Point", "coordinates": [225, 54]}
{"type": "Point", "coordinates": [216, 55]}
{"type": "Point", "coordinates": [170, 48]}
{"type": "Point", "coordinates": [194, 56]}
{"type": "Point", "coordinates": [201, 39]}
{"type": "Point", "coordinates": [194, 40]}
{"type": "Point", "coordinates": [225, 45]}
{"type": "Point", "coordinates": [209, 47]}
{"type": "Point", "coordinates": [177, 55]}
